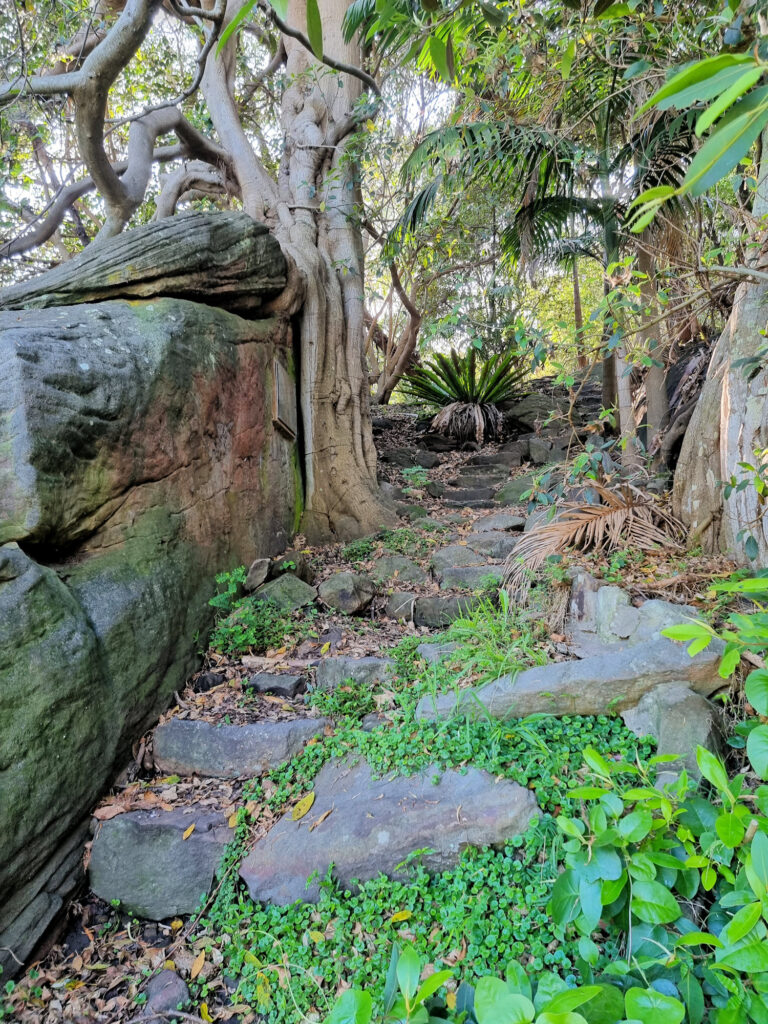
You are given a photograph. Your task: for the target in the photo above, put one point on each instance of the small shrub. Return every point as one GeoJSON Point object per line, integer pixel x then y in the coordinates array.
{"type": "Point", "coordinates": [243, 623]}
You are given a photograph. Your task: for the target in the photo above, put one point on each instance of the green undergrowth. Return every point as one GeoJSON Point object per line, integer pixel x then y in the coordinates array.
{"type": "Point", "coordinates": [415, 543]}
{"type": "Point", "coordinates": [289, 961]}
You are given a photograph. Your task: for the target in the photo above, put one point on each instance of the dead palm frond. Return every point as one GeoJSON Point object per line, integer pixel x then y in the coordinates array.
{"type": "Point", "coordinates": [469, 421]}
{"type": "Point", "coordinates": [627, 518]}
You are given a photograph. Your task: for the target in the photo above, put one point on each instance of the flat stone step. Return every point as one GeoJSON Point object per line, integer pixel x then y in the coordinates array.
{"type": "Point", "coordinates": [498, 521]}
{"type": "Point", "coordinates": [512, 493]}
{"type": "Point", "coordinates": [469, 503]}
{"type": "Point", "coordinates": [434, 653]}
{"type": "Point", "coordinates": [400, 605]}
{"type": "Point", "coordinates": [143, 859]}
{"type": "Point", "coordinates": [509, 459]}
{"type": "Point", "coordinates": [184, 746]}
{"type": "Point", "coordinates": [333, 672]}
{"type": "Point", "coordinates": [465, 494]}
{"type": "Point", "coordinates": [365, 826]}
{"type": "Point", "coordinates": [276, 684]}
{"type": "Point", "coordinates": [440, 611]}
{"type": "Point", "coordinates": [391, 567]}
{"type": "Point", "coordinates": [470, 577]}
{"type": "Point", "coordinates": [493, 544]}
{"type": "Point", "coordinates": [454, 554]}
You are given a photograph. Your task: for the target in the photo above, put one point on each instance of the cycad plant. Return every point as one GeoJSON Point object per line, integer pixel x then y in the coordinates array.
{"type": "Point", "coordinates": [466, 394]}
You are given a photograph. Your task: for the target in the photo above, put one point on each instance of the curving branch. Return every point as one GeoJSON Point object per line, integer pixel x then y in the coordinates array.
{"type": "Point", "coordinates": [195, 177]}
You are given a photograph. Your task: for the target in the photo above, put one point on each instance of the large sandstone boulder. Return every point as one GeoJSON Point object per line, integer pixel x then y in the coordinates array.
{"type": "Point", "coordinates": [138, 457]}
{"type": "Point", "coordinates": [222, 259]}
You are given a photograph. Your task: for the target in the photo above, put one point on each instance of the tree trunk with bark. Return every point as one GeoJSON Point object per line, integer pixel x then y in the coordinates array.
{"type": "Point", "coordinates": [730, 424]}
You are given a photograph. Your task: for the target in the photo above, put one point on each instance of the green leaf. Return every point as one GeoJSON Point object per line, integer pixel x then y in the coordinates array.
{"type": "Point", "coordinates": [564, 901]}
{"type": "Point", "coordinates": [408, 971]}
{"type": "Point", "coordinates": [730, 659]}
{"type": "Point", "coordinates": [495, 1004]}
{"type": "Point", "coordinates": [567, 62]}
{"type": "Point", "coordinates": [693, 996]}
{"type": "Point", "coordinates": [756, 690]}
{"type": "Point", "coordinates": [651, 1007]}
{"type": "Point", "coordinates": [742, 923]}
{"type": "Point", "coordinates": [573, 998]}
{"type": "Point", "coordinates": [730, 829]}
{"type": "Point", "coordinates": [728, 144]}
{"type": "Point", "coordinates": [315, 28]}
{"type": "Point", "coordinates": [758, 859]}
{"type": "Point", "coordinates": [235, 24]}
{"type": "Point", "coordinates": [743, 83]}
{"type": "Point", "coordinates": [698, 939]}
{"type": "Point", "coordinates": [701, 72]}
{"type": "Point", "coordinates": [750, 954]}
{"type": "Point", "coordinates": [439, 54]}
{"type": "Point", "coordinates": [712, 769]}
{"type": "Point", "coordinates": [636, 825]}
{"type": "Point", "coordinates": [560, 1018]}
{"type": "Point", "coordinates": [352, 1007]}
{"type": "Point", "coordinates": [653, 903]}
{"type": "Point", "coordinates": [687, 630]}
{"type": "Point", "coordinates": [757, 750]}
{"type": "Point", "coordinates": [431, 984]}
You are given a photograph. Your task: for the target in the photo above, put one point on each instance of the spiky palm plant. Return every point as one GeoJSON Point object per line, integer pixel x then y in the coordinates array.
{"type": "Point", "coordinates": [467, 396]}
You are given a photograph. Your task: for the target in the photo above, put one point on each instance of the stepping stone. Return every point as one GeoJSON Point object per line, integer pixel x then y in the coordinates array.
{"type": "Point", "coordinates": [207, 681]}
{"type": "Point", "coordinates": [498, 521]}
{"type": "Point", "coordinates": [348, 592]}
{"type": "Point", "coordinates": [471, 577]}
{"type": "Point", "coordinates": [440, 611]}
{"type": "Point", "coordinates": [434, 653]}
{"type": "Point", "coordinates": [287, 593]}
{"type": "Point", "coordinates": [366, 826]}
{"type": "Point", "coordinates": [165, 993]}
{"type": "Point", "coordinates": [427, 460]}
{"type": "Point", "coordinates": [454, 554]}
{"type": "Point", "coordinates": [680, 720]}
{"type": "Point", "coordinates": [400, 606]}
{"type": "Point", "coordinates": [142, 859]}
{"type": "Point", "coordinates": [411, 512]}
{"type": "Point", "coordinates": [257, 574]}
{"type": "Point", "coordinates": [399, 457]}
{"type": "Point", "coordinates": [436, 489]}
{"type": "Point", "coordinates": [508, 459]}
{"type": "Point", "coordinates": [606, 683]}
{"type": "Point", "coordinates": [399, 568]}
{"type": "Point", "coordinates": [187, 747]}
{"type": "Point", "coordinates": [273, 682]}
{"type": "Point", "coordinates": [543, 451]}
{"type": "Point", "coordinates": [294, 562]}
{"type": "Point", "coordinates": [477, 475]}
{"type": "Point", "coordinates": [512, 493]}
{"type": "Point", "coordinates": [493, 544]}
{"type": "Point", "coordinates": [333, 672]}
{"type": "Point", "coordinates": [467, 495]}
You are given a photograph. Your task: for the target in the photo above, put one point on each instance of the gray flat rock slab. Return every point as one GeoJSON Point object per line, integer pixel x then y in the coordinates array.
{"type": "Point", "coordinates": [333, 672]}
{"type": "Point", "coordinates": [440, 611]}
{"type": "Point", "coordinates": [605, 683]}
{"type": "Point", "coordinates": [374, 824]}
{"type": "Point", "coordinates": [511, 493]}
{"type": "Point", "coordinates": [680, 720]}
{"type": "Point", "coordinates": [348, 592]}
{"type": "Point", "coordinates": [434, 653]}
{"type": "Point", "coordinates": [142, 859]}
{"type": "Point", "coordinates": [188, 747]}
{"type": "Point", "coordinates": [400, 605]}
{"type": "Point", "coordinates": [493, 544]}
{"type": "Point", "coordinates": [279, 685]}
{"type": "Point", "coordinates": [508, 459]}
{"type": "Point", "coordinates": [287, 593]}
{"type": "Point", "coordinates": [398, 567]}
{"type": "Point", "coordinates": [471, 577]}
{"type": "Point", "coordinates": [498, 521]}
{"type": "Point", "coordinates": [454, 554]}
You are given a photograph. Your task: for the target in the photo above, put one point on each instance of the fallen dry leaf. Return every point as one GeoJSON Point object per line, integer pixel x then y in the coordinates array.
{"type": "Point", "coordinates": [302, 806]}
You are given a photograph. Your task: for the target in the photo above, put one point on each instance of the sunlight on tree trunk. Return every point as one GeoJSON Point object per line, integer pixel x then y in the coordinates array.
{"type": "Point", "coordinates": [730, 424]}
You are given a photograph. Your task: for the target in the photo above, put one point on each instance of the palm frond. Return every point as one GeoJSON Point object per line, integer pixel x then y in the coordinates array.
{"type": "Point", "coordinates": [537, 228]}
{"type": "Point", "coordinates": [627, 518]}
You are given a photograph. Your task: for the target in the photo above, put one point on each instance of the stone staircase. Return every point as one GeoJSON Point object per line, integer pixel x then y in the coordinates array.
{"type": "Point", "coordinates": [160, 862]}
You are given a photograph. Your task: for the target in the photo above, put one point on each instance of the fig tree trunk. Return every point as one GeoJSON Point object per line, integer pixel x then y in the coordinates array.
{"type": "Point", "coordinates": [729, 425]}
